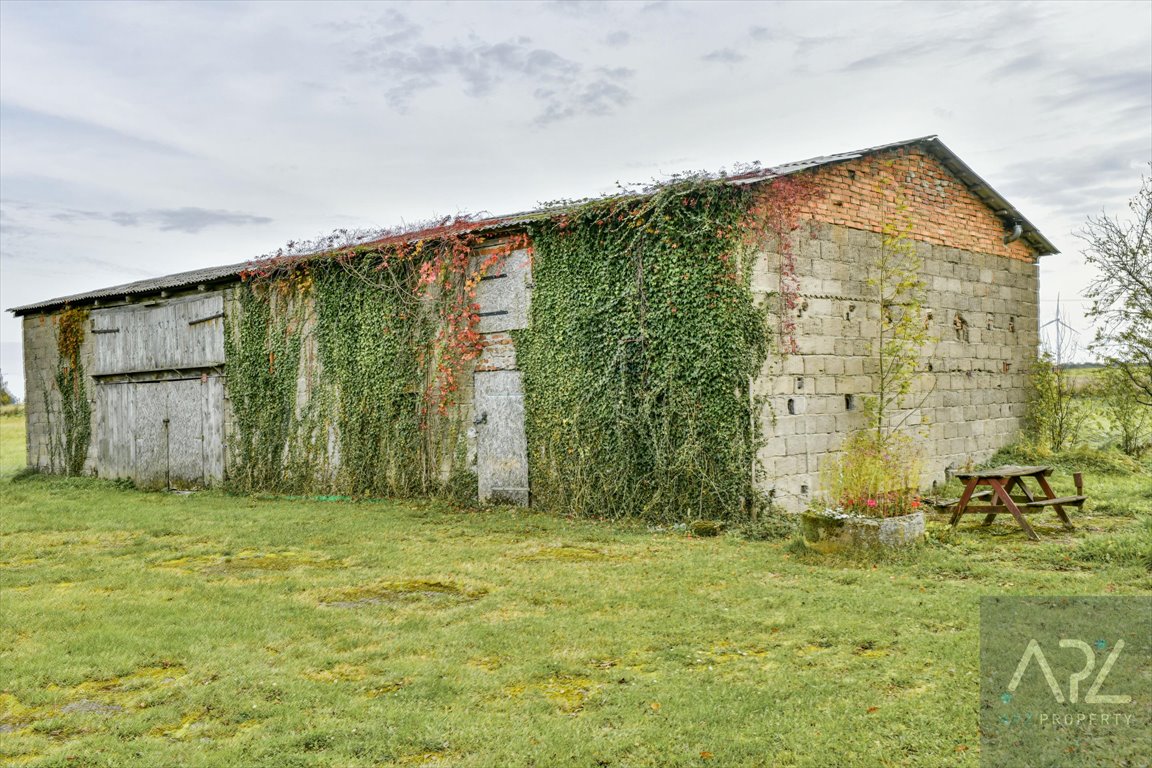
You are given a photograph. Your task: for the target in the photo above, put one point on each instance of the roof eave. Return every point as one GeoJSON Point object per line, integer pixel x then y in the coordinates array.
{"type": "Point", "coordinates": [993, 199]}
{"type": "Point", "coordinates": [211, 276]}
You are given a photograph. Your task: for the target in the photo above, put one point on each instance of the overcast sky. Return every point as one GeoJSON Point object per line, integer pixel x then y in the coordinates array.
{"type": "Point", "coordinates": [139, 139]}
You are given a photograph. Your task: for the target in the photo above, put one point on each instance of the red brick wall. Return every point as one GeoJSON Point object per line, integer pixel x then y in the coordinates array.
{"type": "Point", "coordinates": [943, 211]}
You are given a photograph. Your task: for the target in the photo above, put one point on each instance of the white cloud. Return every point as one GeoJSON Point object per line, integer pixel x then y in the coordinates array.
{"type": "Point", "coordinates": [215, 132]}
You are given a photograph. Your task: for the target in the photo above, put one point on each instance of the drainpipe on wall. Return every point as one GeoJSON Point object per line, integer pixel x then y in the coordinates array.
{"type": "Point", "coordinates": [1014, 235]}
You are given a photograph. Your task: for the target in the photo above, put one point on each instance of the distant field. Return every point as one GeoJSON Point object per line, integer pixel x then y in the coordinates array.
{"type": "Point", "coordinates": [12, 448]}
{"type": "Point", "coordinates": [157, 629]}
{"type": "Point", "coordinates": [1082, 378]}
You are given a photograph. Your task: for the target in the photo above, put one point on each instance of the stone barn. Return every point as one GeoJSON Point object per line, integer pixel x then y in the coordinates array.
{"type": "Point", "coordinates": [658, 353]}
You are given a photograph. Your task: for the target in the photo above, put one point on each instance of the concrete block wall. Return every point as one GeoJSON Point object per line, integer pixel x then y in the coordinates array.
{"type": "Point", "coordinates": [982, 310]}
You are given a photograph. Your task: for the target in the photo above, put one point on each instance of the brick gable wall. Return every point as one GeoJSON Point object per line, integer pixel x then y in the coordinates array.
{"type": "Point", "coordinates": [944, 211]}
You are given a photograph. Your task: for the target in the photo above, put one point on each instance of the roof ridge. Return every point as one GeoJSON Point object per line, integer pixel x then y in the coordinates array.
{"type": "Point", "coordinates": [958, 167]}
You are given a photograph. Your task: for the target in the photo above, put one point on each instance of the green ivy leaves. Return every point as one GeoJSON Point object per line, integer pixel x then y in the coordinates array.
{"type": "Point", "coordinates": [643, 340]}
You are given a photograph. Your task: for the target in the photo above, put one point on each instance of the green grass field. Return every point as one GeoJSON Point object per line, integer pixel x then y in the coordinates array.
{"type": "Point", "coordinates": [206, 629]}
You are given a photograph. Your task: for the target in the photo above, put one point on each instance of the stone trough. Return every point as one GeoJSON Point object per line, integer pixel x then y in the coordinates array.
{"type": "Point", "coordinates": [831, 532]}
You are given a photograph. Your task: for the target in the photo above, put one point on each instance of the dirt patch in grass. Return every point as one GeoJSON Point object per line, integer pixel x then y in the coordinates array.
{"type": "Point", "coordinates": [870, 650]}
{"type": "Point", "coordinates": [14, 714]}
{"type": "Point", "coordinates": [248, 561]}
{"type": "Point", "coordinates": [20, 562]}
{"type": "Point", "coordinates": [726, 653]}
{"type": "Point", "coordinates": [431, 758]}
{"type": "Point", "coordinates": [486, 663]}
{"type": "Point", "coordinates": [429, 593]}
{"type": "Point", "coordinates": [89, 706]}
{"type": "Point", "coordinates": [105, 696]}
{"type": "Point", "coordinates": [141, 681]}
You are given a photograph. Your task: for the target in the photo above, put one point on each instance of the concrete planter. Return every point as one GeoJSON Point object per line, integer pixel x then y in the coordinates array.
{"type": "Point", "coordinates": [830, 532]}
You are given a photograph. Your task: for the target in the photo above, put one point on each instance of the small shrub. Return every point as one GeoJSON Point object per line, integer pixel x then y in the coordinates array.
{"type": "Point", "coordinates": [461, 489]}
{"type": "Point", "coordinates": [875, 475]}
{"type": "Point", "coordinates": [1132, 419]}
{"type": "Point", "coordinates": [1055, 414]}
{"type": "Point", "coordinates": [706, 528]}
{"type": "Point", "coordinates": [771, 525]}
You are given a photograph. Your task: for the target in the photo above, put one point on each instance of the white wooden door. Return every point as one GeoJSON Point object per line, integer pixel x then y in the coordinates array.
{"type": "Point", "coordinates": [501, 444]}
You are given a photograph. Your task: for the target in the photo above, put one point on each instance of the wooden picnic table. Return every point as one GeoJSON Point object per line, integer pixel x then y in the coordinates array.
{"type": "Point", "coordinates": [1000, 482]}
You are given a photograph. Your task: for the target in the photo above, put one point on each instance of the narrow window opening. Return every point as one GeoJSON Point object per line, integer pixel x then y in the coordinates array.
{"type": "Point", "coordinates": [804, 490]}
{"type": "Point", "coordinates": [960, 326]}
{"type": "Point", "coordinates": [849, 402]}
{"type": "Point", "coordinates": [791, 406]}
{"type": "Point", "coordinates": [799, 382]}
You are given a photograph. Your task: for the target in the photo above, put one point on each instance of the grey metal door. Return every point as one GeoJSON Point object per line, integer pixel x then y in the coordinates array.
{"type": "Point", "coordinates": [501, 444]}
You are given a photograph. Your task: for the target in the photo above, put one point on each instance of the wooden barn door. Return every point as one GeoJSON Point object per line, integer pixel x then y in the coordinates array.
{"type": "Point", "coordinates": [162, 434]}
{"type": "Point", "coordinates": [160, 391]}
{"type": "Point", "coordinates": [150, 434]}
{"type": "Point", "coordinates": [185, 434]}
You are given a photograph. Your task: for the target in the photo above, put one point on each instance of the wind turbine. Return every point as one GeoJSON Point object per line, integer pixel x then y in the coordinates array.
{"type": "Point", "coordinates": [1060, 326]}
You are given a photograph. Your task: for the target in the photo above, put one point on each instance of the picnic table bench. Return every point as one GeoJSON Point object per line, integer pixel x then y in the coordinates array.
{"type": "Point", "coordinates": [1001, 482]}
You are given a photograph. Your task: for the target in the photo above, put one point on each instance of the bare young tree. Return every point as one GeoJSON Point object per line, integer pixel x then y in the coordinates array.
{"type": "Point", "coordinates": [1122, 293]}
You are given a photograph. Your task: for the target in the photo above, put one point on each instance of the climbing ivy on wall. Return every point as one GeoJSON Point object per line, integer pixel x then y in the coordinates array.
{"type": "Point", "coordinates": [394, 323]}
{"type": "Point", "coordinates": [262, 348]}
{"type": "Point", "coordinates": [638, 364]}
{"type": "Point", "coordinates": [371, 333]}
{"type": "Point", "coordinates": [643, 341]}
{"type": "Point", "coordinates": [69, 446]}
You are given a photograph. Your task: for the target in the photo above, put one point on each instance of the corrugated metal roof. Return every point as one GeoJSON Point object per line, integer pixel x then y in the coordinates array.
{"type": "Point", "coordinates": [207, 276]}
{"type": "Point", "coordinates": [232, 272]}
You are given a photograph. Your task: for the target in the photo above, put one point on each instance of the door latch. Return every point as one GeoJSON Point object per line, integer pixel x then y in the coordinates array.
{"type": "Point", "coordinates": [481, 419]}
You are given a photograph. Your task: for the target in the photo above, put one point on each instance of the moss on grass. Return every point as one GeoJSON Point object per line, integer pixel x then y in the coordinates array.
{"type": "Point", "coordinates": [570, 552]}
